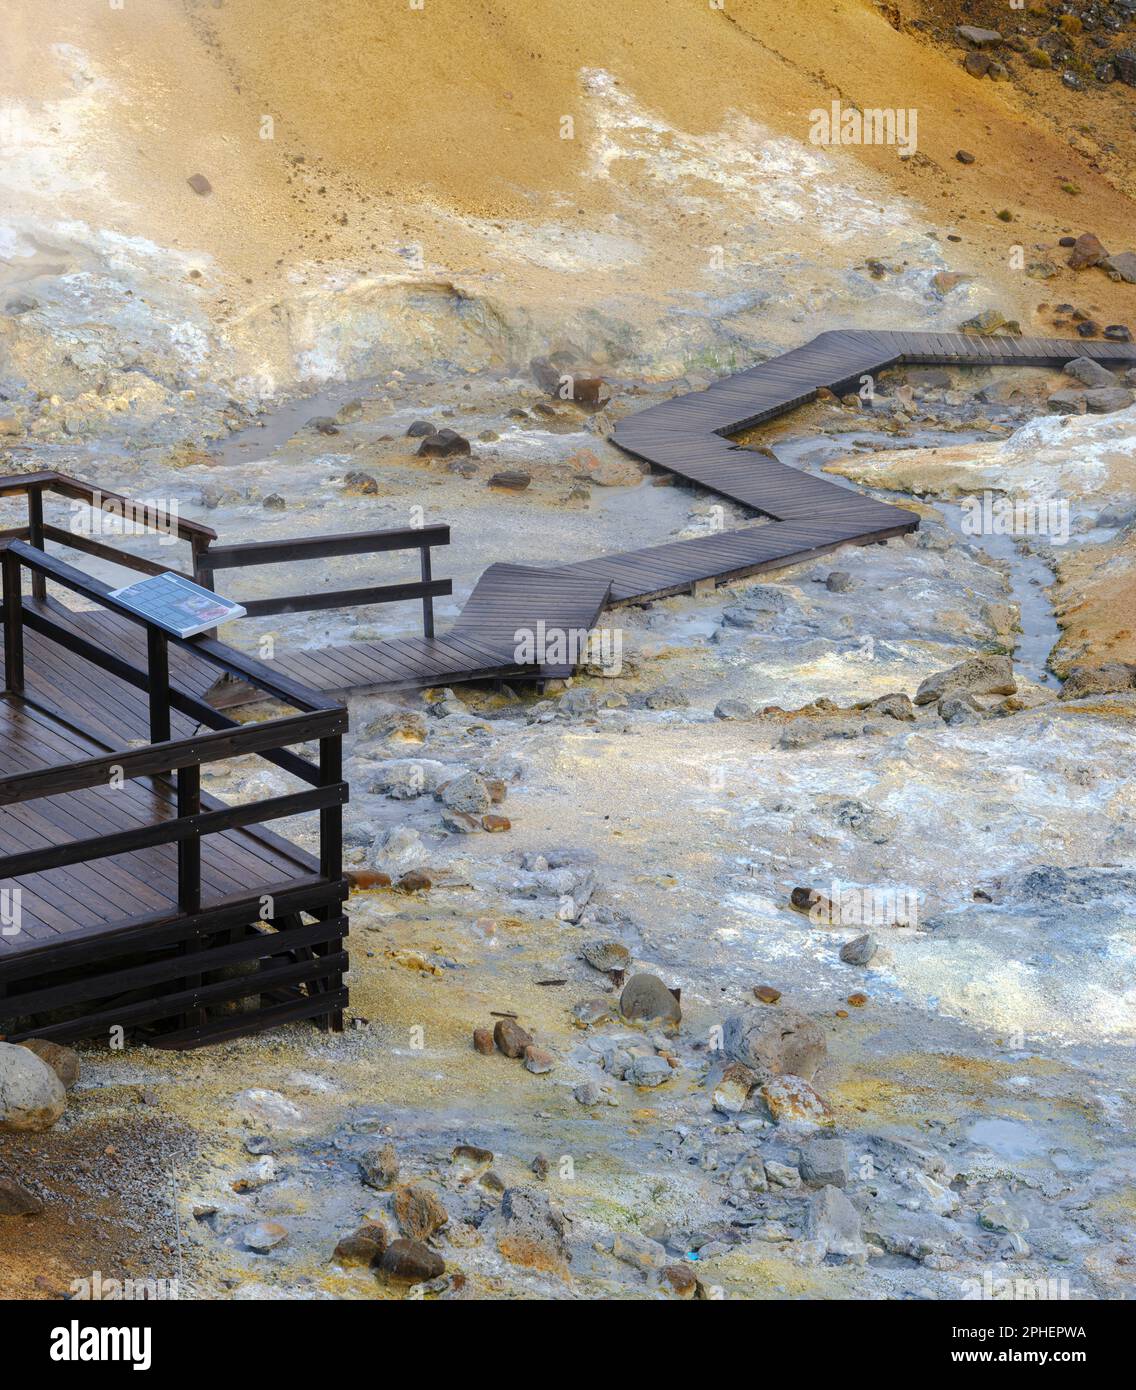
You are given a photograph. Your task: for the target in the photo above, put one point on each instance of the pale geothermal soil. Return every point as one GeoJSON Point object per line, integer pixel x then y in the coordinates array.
{"type": "Point", "coordinates": [412, 234]}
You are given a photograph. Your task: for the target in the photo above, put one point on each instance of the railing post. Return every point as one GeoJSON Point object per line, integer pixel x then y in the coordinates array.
{"type": "Point", "coordinates": [35, 537]}
{"type": "Point", "coordinates": [428, 601]}
{"type": "Point", "coordinates": [331, 817]}
{"type": "Point", "coordinates": [158, 671]}
{"type": "Point", "coordinates": [13, 625]}
{"type": "Point", "coordinates": [189, 851]}
{"type": "Point", "coordinates": [202, 574]}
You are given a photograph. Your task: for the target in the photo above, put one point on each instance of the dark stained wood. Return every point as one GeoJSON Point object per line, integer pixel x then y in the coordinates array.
{"type": "Point", "coordinates": [125, 871]}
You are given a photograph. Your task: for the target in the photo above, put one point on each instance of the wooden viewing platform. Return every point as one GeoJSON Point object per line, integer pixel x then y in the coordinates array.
{"type": "Point", "coordinates": [133, 903]}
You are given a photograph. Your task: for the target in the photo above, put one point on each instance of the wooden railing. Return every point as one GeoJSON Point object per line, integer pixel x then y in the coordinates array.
{"type": "Point", "coordinates": [320, 719]}
{"type": "Point", "coordinates": [37, 532]}
{"type": "Point", "coordinates": [426, 588]}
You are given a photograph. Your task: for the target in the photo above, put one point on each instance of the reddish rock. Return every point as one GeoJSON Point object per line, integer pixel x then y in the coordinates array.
{"type": "Point", "coordinates": [415, 882]}
{"type": "Point", "coordinates": [496, 824]}
{"type": "Point", "coordinates": [410, 1262]}
{"type": "Point", "coordinates": [483, 1041]}
{"type": "Point", "coordinates": [1087, 250]}
{"type": "Point", "coordinates": [362, 1247]}
{"type": "Point", "coordinates": [510, 1037]}
{"type": "Point", "coordinates": [368, 878]}
{"type": "Point", "coordinates": [419, 1210]}
{"type": "Point", "coordinates": [766, 994]}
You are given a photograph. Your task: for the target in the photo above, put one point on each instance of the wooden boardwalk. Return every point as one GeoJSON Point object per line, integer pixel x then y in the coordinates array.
{"type": "Point", "coordinates": [133, 900]}
{"type": "Point", "coordinates": [689, 436]}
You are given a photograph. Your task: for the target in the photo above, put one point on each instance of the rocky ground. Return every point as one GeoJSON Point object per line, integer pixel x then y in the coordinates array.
{"type": "Point", "coordinates": [918, 1092]}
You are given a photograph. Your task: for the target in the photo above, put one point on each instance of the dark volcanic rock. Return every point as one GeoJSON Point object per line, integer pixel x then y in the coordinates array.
{"type": "Point", "coordinates": [443, 444]}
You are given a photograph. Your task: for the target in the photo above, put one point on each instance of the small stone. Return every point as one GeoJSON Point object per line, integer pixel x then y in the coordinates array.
{"type": "Point", "coordinates": [31, 1094]}
{"type": "Point", "coordinates": [420, 429]}
{"type": "Point", "coordinates": [1107, 399]}
{"type": "Point", "coordinates": [467, 793]}
{"type": "Point", "coordinates": [679, 1279]}
{"type": "Point", "coordinates": [666, 697]}
{"type": "Point", "coordinates": [264, 1236]}
{"type": "Point", "coordinates": [977, 64]}
{"type": "Point", "coordinates": [589, 1011]}
{"type": "Point", "coordinates": [510, 1037]}
{"type": "Point", "coordinates": [483, 1041]}
{"type": "Point", "coordinates": [444, 444]}
{"type": "Point", "coordinates": [640, 1251]}
{"type": "Point", "coordinates": [782, 1175]}
{"type": "Point", "coordinates": [470, 1161]}
{"type": "Point", "coordinates": [733, 1088]}
{"type": "Point", "coordinates": [733, 709]}
{"type": "Point", "coordinates": [273, 502]}
{"type": "Point", "coordinates": [792, 1102]}
{"type": "Point", "coordinates": [537, 1060]}
{"type": "Point", "coordinates": [1118, 333]}
{"type": "Point", "coordinates": [362, 1247]}
{"type": "Point", "coordinates": [410, 1262]}
{"type": "Point", "coordinates": [1122, 265]}
{"type": "Point", "coordinates": [63, 1061]}
{"type": "Point", "coordinates": [858, 951]}
{"type": "Point", "coordinates": [766, 994]}
{"type": "Point", "coordinates": [964, 156]}
{"type": "Point", "coordinates": [200, 184]}
{"type": "Point", "coordinates": [1090, 372]}
{"type": "Point", "coordinates": [324, 424]}
{"type": "Point", "coordinates": [606, 955]}
{"type": "Point", "coordinates": [838, 582]}
{"type": "Point", "coordinates": [824, 1162]}
{"type": "Point", "coordinates": [648, 1071]}
{"type": "Point", "coordinates": [379, 1167]}
{"type": "Point", "coordinates": [360, 483]}
{"type": "Point", "coordinates": [588, 1093]}
{"type": "Point", "coordinates": [895, 706]}
{"type": "Point", "coordinates": [531, 1231]}
{"type": "Point", "coordinates": [510, 480]}
{"type": "Point", "coordinates": [646, 997]}
{"type": "Point", "coordinates": [419, 1211]}
{"type": "Point", "coordinates": [1087, 251]}
{"type": "Point", "coordinates": [835, 1223]}
{"type": "Point", "coordinates": [980, 38]}
{"type": "Point", "coordinates": [460, 823]}
{"type": "Point", "coordinates": [18, 1201]}
{"type": "Point", "coordinates": [998, 1217]}
{"type": "Point", "coordinates": [979, 675]}
{"type": "Point", "coordinates": [495, 824]}
{"type": "Point", "coordinates": [415, 881]}
{"type": "Point", "coordinates": [857, 1000]}
{"type": "Point", "coordinates": [776, 1043]}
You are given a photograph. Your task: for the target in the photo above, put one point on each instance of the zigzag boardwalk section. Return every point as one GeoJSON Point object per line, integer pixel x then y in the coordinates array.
{"type": "Point", "coordinates": [689, 436]}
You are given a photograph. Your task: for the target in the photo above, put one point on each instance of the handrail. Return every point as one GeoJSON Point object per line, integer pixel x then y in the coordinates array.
{"type": "Point", "coordinates": [151, 517]}
{"type": "Point", "coordinates": [323, 547]}
{"type": "Point", "coordinates": [320, 719]}
{"type": "Point", "coordinates": [420, 538]}
{"type": "Point", "coordinates": [172, 754]}
{"type": "Point", "coordinates": [79, 489]}
{"type": "Point", "coordinates": [219, 654]}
